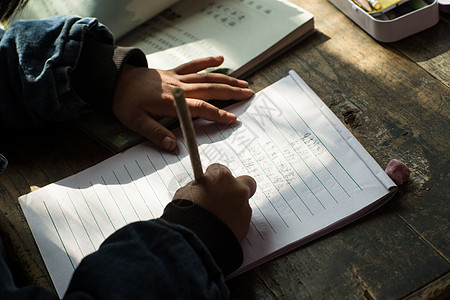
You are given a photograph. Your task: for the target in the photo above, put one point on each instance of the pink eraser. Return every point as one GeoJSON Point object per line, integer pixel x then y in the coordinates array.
{"type": "Point", "coordinates": [398, 171]}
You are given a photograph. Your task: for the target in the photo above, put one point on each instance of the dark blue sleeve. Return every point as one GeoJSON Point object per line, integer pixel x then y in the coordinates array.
{"type": "Point", "coordinates": [37, 58]}
{"type": "Point", "coordinates": [143, 260]}
{"type": "Point", "coordinates": [149, 260]}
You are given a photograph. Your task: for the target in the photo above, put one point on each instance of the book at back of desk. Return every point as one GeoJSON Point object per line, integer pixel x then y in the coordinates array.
{"type": "Point", "coordinates": [247, 33]}
{"type": "Point", "coordinates": [313, 176]}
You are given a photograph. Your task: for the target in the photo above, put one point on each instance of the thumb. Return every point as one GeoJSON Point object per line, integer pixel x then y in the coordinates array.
{"type": "Point", "coordinates": [249, 182]}
{"type": "Point", "coordinates": [156, 133]}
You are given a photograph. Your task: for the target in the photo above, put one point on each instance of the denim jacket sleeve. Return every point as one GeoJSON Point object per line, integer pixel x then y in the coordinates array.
{"type": "Point", "coordinates": [144, 260]}
{"type": "Point", "coordinates": [149, 260]}
{"type": "Point", "coordinates": [42, 60]}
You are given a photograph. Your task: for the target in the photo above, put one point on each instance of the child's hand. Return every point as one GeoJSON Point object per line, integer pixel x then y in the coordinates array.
{"type": "Point", "coordinates": [143, 95]}
{"type": "Point", "coordinates": [223, 195]}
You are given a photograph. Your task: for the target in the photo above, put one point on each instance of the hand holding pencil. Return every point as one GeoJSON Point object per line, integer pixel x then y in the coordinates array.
{"type": "Point", "coordinates": [217, 189]}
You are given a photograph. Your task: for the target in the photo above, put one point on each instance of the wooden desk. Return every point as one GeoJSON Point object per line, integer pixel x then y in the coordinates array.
{"type": "Point", "coordinates": [395, 100]}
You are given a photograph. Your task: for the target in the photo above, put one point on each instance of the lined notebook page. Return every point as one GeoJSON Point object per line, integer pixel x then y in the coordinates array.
{"type": "Point", "coordinates": [312, 176]}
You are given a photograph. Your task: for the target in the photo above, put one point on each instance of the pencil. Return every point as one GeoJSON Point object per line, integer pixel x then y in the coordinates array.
{"type": "Point", "coordinates": [188, 132]}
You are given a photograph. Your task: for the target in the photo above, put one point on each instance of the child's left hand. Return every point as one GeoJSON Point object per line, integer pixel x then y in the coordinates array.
{"type": "Point", "coordinates": [144, 95]}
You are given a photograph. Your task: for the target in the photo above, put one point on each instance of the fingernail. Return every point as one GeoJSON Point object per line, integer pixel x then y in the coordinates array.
{"type": "Point", "coordinates": [168, 143]}
{"type": "Point", "coordinates": [231, 115]}
{"type": "Point", "coordinates": [248, 92]}
{"type": "Point", "coordinates": [242, 83]}
{"type": "Point", "coordinates": [226, 114]}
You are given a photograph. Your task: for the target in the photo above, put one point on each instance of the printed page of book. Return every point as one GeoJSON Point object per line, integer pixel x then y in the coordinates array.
{"type": "Point", "coordinates": [240, 30]}
{"type": "Point", "coordinates": [310, 179]}
{"type": "Point", "coordinates": [120, 16]}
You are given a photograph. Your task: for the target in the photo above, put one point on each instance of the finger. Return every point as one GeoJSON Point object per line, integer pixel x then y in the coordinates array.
{"type": "Point", "coordinates": [216, 169]}
{"type": "Point", "coordinates": [155, 132]}
{"type": "Point", "coordinates": [204, 110]}
{"type": "Point", "coordinates": [213, 78]}
{"type": "Point", "coordinates": [249, 182]}
{"type": "Point", "coordinates": [199, 64]}
{"type": "Point", "coordinates": [216, 91]}
{"type": "Point", "coordinates": [215, 173]}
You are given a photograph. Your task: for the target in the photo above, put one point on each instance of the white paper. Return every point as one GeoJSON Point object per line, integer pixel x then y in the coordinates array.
{"type": "Point", "coordinates": [310, 180]}
{"type": "Point", "coordinates": [238, 30]}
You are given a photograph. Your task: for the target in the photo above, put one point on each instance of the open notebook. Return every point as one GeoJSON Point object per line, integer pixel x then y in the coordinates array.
{"type": "Point", "coordinates": [313, 176]}
{"type": "Point", "coordinates": [247, 33]}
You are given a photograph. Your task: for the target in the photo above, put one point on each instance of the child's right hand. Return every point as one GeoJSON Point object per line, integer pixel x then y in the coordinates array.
{"type": "Point", "coordinates": [224, 195]}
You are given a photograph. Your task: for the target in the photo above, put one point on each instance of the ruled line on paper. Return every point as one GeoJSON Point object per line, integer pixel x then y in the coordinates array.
{"type": "Point", "coordinates": [293, 168]}
{"type": "Point", "coordinates": [92, 213]}
{"type": "Point", "coordinates": [302, 138]}
{"type": "Point", "coordinates": [101, 203]}
{"type": "Point", "coordinates": [171, 171]}
{"type": "Point", "coordinates": [59, 235]}
{"type": "Point", "coordinates": [149, 184]}
{"type": "Point", "coordinates": [265, 218]}
{"type": "Point", "coordinates": [253, 201]}
{"type": "Point", "coordinates": [309, 168]}
{"type": "Point", "coordinates": [114, 199]}
{"type": "Point", "coordinates": [248, 170]}
{"type": "Point", "coordinates": [285, 179]}
{"type": "Point", "coordinates": [282, 153]}
{"type": "Point", "coordinates": [323, 144]}
{"type": "Point", "coordinates": [68, 225]}
{"type": "Point", "coordinates": [184, 167]}
{"type": "Point", "coordinates": [311, 151]}
{"type": "Point", "coordinates": [267, 176]}
{"type": "Point", "coordinates": [159, 175]}
{"type": "Point", "coordinates": [256, 228]}
{"type": "Point", "coordinates": [216, 153]}
{"type": "Point", "coordinates": [138, 190]}
{"type": "Point", "coordinates": [126, 195]}
{"type": "Point", "coordinates": [81, 221]}
{"type": "Point", "coordinates": [278, 190]}
{"type": "Point", "coordinates": [201, 150]}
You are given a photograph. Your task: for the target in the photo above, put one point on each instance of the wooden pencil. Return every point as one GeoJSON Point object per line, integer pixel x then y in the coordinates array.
{"type": "Point", "coordinates": [187, 128]}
